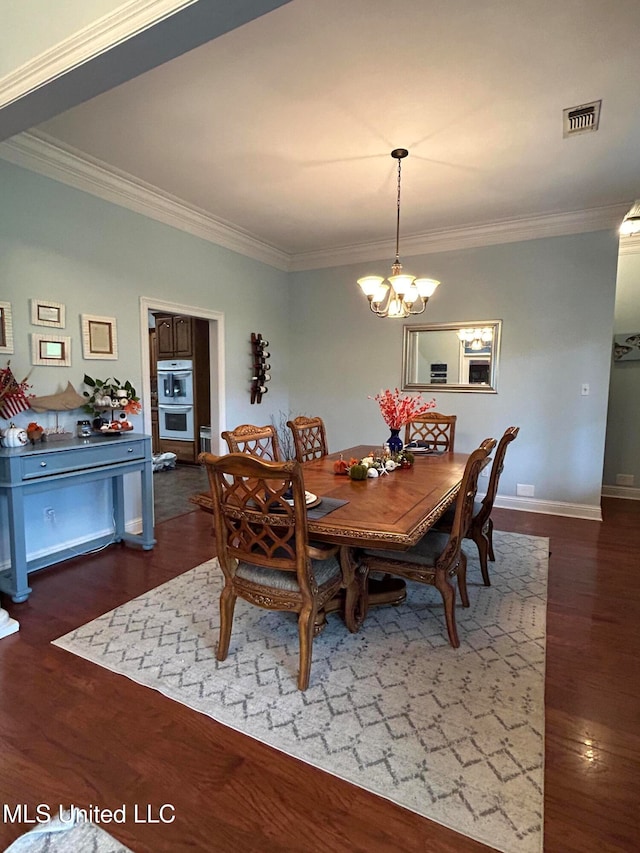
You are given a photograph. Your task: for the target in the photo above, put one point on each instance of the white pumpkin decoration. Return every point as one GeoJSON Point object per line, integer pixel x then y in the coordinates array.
{"type": "Point", "coordinates": [14, 436]}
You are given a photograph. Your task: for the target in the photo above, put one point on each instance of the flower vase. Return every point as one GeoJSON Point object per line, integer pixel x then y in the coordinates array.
{"type": "Point", "coordinates": [395, 442]}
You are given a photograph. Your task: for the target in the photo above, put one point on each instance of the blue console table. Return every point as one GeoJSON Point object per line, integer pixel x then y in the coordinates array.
{"type": "Point", "coordinates": [56, 465]}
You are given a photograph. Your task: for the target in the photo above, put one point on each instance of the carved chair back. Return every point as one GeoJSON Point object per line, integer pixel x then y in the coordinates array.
{"type": "Point", "coordinates": [260, 514]}
{"type": "Point", "coordinates": [482, 516]}
{"type": "Point", "coordinates": [435, 428]}
{"type": "Point", "coordinates": [309, 438]}
{"type": "Point", "coordinates": [260, 441]}
{"type": "Point", "coordinates": [464, 504]}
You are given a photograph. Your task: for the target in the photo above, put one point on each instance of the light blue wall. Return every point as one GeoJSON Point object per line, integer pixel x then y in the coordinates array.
{"type": "Point", "coordinates": [556, 299]}
{"type": "Point", "coordinates": [66, 246]}
{"type": "Point", "coordinates": [622, 454]}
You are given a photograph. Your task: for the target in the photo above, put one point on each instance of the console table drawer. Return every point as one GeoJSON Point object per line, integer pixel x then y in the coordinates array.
{"type": "Point", "coordinates": [48, 464]}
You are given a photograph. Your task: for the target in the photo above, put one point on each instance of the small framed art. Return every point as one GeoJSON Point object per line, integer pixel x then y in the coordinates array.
{"type": "Point", "coordinates": [52, 350]}
{"type": "Point", "coordinates": [45, 313]}
{"type": "Point", "coordinates": [6, 328]}
{"type": "Point", "coordinates": [626, 347]}
{"type": "Point", "coordinates": [99, 337]}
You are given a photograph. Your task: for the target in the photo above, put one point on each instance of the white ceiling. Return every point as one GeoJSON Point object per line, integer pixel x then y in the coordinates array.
{"type": "Point", "coordinates": [283, 127]}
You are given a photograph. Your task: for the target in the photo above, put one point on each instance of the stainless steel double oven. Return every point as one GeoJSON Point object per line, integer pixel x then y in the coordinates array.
{"type": "Point", "coordinates": [175, 399]}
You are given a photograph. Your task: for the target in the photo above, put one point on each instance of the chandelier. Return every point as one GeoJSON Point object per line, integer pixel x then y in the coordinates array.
{"type": "Point", "coordinates": [476, 339]}
{"type": "Point", "coordinates": [402, 294]}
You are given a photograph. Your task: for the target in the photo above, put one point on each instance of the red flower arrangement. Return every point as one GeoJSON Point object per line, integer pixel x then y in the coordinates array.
{"type": "Point", "coordinates": [399, 409]}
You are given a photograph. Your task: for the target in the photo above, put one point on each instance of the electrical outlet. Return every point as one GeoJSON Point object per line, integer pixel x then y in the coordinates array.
{"type": "Point", "coordinates": [524, 490]}
{"type": "Point", "coordinates": [625, 479]}
{"type": "Point", "coordinates": [584, 389]}
{"type": "Point", "coordinates": [49, 514]}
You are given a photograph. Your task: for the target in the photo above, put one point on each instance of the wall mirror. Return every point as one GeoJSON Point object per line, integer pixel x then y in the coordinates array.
{"type": "Point", "coordinates": [451, 357]}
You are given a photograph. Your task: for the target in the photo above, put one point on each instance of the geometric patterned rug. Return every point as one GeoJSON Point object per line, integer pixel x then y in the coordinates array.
{"type": "Point", "coordinates": [66, 833]}
{"type": "Point", "coordinates": [456, 735]}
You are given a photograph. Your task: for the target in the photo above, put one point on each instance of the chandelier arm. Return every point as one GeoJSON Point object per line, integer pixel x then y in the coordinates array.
{"type": "Point", "coordinates": [424, 305]}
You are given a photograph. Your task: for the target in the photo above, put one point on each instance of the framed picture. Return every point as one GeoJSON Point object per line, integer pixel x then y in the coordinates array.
{"type": "Point", "coordinates": [626, 347]}
{"type": "Point", "coordinates": [99, 338]}
{"type": "Point", "coordinates": [45, 313]}
{"type": "Point", "coordinates": [6, 327]}
{"type": "Point", "coordinates": [51, 350]}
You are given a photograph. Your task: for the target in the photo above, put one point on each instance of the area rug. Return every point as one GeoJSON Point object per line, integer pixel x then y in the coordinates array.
{"type": "Point", "coordinates": [66, 834]}
{"type": "Point", "coordinates": [455, 735]}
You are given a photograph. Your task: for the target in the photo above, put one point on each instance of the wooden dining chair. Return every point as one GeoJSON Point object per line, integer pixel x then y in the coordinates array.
{"type": "Point", "coordinates": [481, 524]}
{"type": "Point", "coordinates": [309, 438]}
{"type": "Point", "coordinates": [434, 428]}
{"type": "Point", "coordinates": [438, 556]}
{"type": "Point", "coordinates": [260, 441]}
{"type": "Point", "coordinates": [264, 551]}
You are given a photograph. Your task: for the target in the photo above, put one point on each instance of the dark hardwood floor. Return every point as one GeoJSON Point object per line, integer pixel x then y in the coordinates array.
{"type": "Point", "coordinates": [71, 732]}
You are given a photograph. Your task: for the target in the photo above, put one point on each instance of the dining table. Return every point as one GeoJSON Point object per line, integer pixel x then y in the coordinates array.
{"type": "Point", "coordinates": [391, 512]}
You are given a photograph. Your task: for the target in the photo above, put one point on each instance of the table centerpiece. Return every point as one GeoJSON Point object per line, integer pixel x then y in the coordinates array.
{"type": "Point", "coordinates": [399, 409]}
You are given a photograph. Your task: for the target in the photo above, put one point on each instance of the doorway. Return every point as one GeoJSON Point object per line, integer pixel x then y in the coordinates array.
{"type": "Point", "coordinates": [173, 486]}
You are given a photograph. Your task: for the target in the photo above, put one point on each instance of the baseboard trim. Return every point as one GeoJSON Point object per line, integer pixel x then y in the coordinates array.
{"type": "Point", "coordinates": [79, 544]}
{"type": "Point", "coordinates": [570, 510]}
{"type": "Point", "coordinates": [629, 494]}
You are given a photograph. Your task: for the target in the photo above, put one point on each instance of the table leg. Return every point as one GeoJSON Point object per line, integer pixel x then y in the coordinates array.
{"type": "Point", "coordinates": [386, 590]}
{"type": "Point", "coordinates": [369, 592]}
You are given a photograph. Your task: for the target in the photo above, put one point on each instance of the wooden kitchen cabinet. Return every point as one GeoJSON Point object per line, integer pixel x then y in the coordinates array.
{"type": "Point", "coordinates": [174, 336]}
{"type": "Point", "coordinates": [155, 430]}
{"type": "Point", "coordinates": [185, 451]}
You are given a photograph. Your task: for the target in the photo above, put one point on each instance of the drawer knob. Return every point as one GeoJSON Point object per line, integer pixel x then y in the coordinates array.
{"type": "Point", "coordinates": [130, 450]}
{"type": "Point", "coordinates": [43, 464]}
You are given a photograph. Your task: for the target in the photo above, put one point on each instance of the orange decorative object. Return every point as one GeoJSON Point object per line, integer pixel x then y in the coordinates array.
{"type": "Point", "coordinates": [340, 466]}
{"type": "Point", "coordinates": [34, 432]}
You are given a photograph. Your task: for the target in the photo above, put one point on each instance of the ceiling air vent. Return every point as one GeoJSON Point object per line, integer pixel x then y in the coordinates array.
{"type": "Point", "coordinates": [582, 119]}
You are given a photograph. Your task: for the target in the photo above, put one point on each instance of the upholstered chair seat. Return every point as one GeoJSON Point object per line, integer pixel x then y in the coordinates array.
{"type": "Point", "coordinates": [324, 572]}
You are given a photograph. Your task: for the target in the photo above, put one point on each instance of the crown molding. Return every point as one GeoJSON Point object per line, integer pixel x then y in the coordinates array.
{"type": "Point", "coordinates": [42, 154]}
{"type": "Point", "coordinates": [472, 236]}
{"type": "Point", "coordinates": [47, 156]}
{"type": "Point", "coordinates": [129, 19]}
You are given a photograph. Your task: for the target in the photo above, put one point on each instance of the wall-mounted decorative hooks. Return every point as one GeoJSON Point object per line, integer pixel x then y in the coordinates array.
{"type": "Point", "coordinates": [260, 375]}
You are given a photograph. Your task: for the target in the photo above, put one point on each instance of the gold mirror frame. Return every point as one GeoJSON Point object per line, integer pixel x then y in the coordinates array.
{"type": "Point", "coordinates": [435, 359]}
